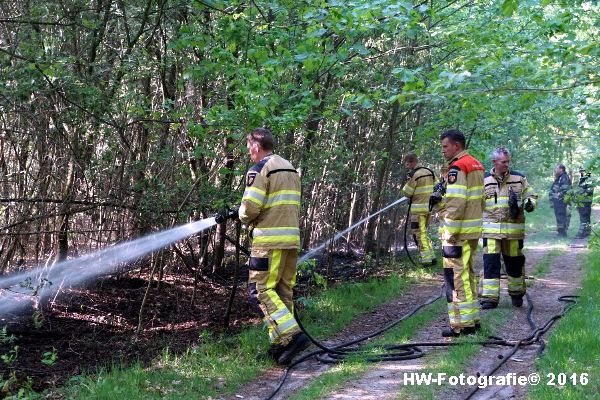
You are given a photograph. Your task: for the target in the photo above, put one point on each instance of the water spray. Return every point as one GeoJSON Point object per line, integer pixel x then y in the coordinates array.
{"type": "Point", "coordinates": [342, 233]}
{"type": "Point", "coordinates": [20, 289]}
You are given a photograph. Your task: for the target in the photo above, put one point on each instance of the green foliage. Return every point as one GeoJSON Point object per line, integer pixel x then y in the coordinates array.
{"type": "Point", "coordinates": [49, 357]}
{"type": "Point", "coordinates": [5, 337]}
{"type": "Point", "coordinates": [25, 390]}
{"type": "Point", "coordinates": [13, 353]}
{"type": "Point", "coordinates": [38, 319]}
{"type": "Point", "coordinates": [307, 269]}
{"type": "Point", "coordinates": [147, 123]}
{"type": "Point", "coordinates": [509, 7]}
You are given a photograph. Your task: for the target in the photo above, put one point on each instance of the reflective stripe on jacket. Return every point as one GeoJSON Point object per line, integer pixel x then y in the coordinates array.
{"type": "Point", "coordinates": [461, 208]}
{"type": "Point", "coordinates": [271, 204]}
{"type": "Point", "coordinates": [419, 188]}
{"type": "Point", "coordinates": [497, 221]}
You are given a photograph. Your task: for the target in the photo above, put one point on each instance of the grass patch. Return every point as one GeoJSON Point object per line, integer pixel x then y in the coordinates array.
{"type": "Point", "coordinates": [220, 365]}
{"type": "Point", "coordinates": [332, 310]}
{"type": "Point", "coordinates": [544, 264]}
{"type": "Point", "coordinates": [541, 228]}
{"type": "Point", "coordinates": [574, 343]}
{"type": "Point", "coordinates": [331, 379]}
{"type": "Point", "coordinates": [214, 366]}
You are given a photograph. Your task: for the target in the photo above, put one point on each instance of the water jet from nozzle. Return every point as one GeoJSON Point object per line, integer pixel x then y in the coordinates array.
{"type": "Point", "coordinates": [23, 289]}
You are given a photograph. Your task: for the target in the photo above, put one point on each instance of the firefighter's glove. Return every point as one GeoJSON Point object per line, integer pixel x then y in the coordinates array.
{"type": "Point", "coordinates": [439, 190]}
{"type": "Point", "coordinates": [528, 206]}
{"type": "Point", "coordinates": [513, 204]}
{"type": "Point", "coordinates": [434, 199]}
{"type": "Point", "coordinates": [224, 216]}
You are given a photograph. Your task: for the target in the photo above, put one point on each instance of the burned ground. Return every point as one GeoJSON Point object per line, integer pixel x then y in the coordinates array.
{"type": "Point", "coordinates": [95, 327]}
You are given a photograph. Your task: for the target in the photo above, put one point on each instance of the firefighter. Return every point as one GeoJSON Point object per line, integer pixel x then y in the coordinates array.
{"type": "Point", "coordinates": [271, 206]}
{"type": "Point", "coordinates": [460, 212]}
{"type": "Point", "coordinates": [584, 198]}
{"type": "Point", "coordinates": [418, 188]}
{"type": "Point", "coordinates": [507, 196]}
{"type": "Point", "coordinates": [561, 185]}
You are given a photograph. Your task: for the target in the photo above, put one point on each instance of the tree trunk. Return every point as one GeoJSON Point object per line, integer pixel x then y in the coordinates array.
{"type": "Point", "coordinates": [219, 250]}
{"type": "Point", "coordinates": [62, 242]}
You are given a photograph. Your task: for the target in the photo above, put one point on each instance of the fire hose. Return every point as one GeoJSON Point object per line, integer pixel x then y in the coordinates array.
{"type": "Point", "coordinates": [408, 351]}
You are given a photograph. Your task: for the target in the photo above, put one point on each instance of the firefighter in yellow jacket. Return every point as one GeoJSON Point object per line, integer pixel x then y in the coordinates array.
{"type": "Point", "coordinates": [271, 206]}
{"type": "Point", "coordinates": [507, 196]}
{"type": "Point", "coordinates": [418, 189]}
{"type": "Point", "coordinates": [460, 212]}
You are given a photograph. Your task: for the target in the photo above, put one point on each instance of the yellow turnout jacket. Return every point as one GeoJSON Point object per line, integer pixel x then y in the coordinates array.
{"type": "Point", "coordinates": [271, 204]}
{"type": "Point", "coordinates": [418, 188]}
{"type": "Point", "coordinates": [497, 220]}
{"type": "Point", "coordinates": [461, 209]}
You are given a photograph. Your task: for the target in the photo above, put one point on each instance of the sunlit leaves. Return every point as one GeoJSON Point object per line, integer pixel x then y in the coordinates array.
{"type": "Point", "coordinates": [509, 7]}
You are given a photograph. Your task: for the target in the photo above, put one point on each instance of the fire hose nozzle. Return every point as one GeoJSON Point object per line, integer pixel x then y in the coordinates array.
{"type": "Point", "coordinates": [224, 216]}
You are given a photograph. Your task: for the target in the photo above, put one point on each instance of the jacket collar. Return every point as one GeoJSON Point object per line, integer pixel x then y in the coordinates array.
{"type": "Point", "coordinates": [458, 156]}
{"type": "Point", "coordinates": [498, 177]}
{"type": "Point", "coordinates": [266, 157]}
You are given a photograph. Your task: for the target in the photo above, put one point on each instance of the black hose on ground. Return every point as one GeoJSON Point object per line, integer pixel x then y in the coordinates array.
{"type": "Point", "coordinates": [412, 350]}
{"type": "Point", "coordinates": [341, 350]}
{"type": "Point", "coordinates": [534, 336]}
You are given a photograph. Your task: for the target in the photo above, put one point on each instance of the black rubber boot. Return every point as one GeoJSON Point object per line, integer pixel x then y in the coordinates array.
{"type": "Point", "coordinates": [469, 330]}
{"type": "Point", "coordinates": [272, 354]}
{"type": "Point", "coordinates": [449, 332]}
{"type": "Point", "coordinates": [298, 343]}
{"type": "Point", "coordinates": [587, 232]}
{"type": "Point", "coordinates": [488, 304]}
{"type": "Point", "coordinates": [517, 301]}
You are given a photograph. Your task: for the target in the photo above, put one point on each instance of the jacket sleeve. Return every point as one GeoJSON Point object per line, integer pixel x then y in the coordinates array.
{"type": "Point", "coordinates": [254, 197]}
{"type": "Point", "coordinates": [528, 192]}
{"type": "Point", "coordinates": [409, 188]}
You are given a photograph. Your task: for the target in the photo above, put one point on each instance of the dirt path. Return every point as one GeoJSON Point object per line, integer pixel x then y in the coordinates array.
{"type": "Point", "coordinates": [563, 278]}
{"type": "Point", "coordinates": [304, 373]}
{"type": "Point", "coordinates": [385, 380]}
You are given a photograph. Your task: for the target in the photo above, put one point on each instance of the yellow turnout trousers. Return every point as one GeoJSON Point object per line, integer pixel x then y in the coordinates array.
{"type": "Point", "coordinates": [461, 283]}
{"type": "Point", "coordinates": [418, 229]}
{"type": "Point", "coordinates": [272, 277]}
{"type": "Point", "coordinates": [514, 263]}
